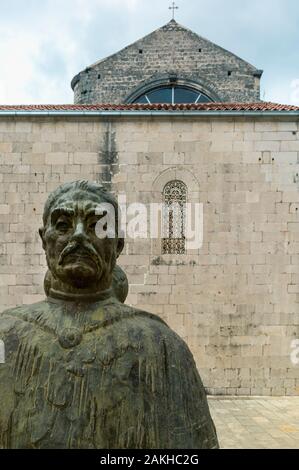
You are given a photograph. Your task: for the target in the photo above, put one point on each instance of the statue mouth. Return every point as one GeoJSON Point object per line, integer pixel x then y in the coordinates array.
{"type": "Point", "coordinates": [79, 258]}
{"type": "Point", "coordinates": [74, 254]}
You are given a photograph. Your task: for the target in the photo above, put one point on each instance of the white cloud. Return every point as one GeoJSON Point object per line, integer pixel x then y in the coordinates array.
{"type": "Point", "coordinates": [86, 11]}
{"type": "Point", "coordinates": [25, 48]}
{"type": "Point", "coordinates": [17, 64]}
{"type": "Point", "coordinates": [24, 52]}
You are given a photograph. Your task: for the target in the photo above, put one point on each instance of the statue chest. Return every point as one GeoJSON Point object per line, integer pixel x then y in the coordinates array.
{"type": "Point", "coordinates": [65, 386]}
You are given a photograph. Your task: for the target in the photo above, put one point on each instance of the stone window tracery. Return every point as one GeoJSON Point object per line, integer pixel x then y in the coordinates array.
{"type": "Point", "coordinates": [174, 217]}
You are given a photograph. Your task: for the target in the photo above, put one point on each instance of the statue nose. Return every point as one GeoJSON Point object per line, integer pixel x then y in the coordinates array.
{"type": "Point", "coordinates": [79, 233]}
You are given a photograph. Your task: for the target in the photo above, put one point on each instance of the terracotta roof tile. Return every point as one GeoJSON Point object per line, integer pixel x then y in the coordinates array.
{"type": "Point", "coordinates": [259, 106]}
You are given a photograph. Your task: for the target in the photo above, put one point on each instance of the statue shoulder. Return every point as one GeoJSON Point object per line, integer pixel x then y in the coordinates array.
{"type": "Point", "coordinates": [147, 317]}
{"type": "Point", "coordinates": [12, 317]}
{"type": "Point", "coordinates": [8, 319]}
{"type": "Point", "coordinates": [155, 329]}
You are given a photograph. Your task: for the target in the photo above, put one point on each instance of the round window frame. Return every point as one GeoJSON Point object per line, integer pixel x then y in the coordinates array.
{"type": "Point", "coordinates": [200, 86]}
{"type": "Point", "coordinates": [172, 87]}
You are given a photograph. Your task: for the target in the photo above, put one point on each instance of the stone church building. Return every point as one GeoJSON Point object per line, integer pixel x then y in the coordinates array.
{"type": "Point", "coordinates": [174, 117]}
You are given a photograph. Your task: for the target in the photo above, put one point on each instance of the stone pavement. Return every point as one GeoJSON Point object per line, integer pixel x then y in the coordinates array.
{"type": "Point", "coordinates": [257, 422]}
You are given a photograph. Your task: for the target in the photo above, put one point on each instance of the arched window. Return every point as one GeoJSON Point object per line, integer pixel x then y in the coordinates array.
{"type": "Point", "coordinates": [172, 95]}
{"type": "Point", "coordinates": [174, 217]}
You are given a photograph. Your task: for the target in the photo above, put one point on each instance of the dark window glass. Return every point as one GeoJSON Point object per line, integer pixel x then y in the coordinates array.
{"type": "Point", "coordinates": [183, 95]}
{"type": "Point", "coordinates": [203, 99]}
{"type": "Point", "coordinates": [173, 94]}
{"type": "Point", "coordinates": [141, 100]}
{"type": "Point", "coordinates": [161, 95]}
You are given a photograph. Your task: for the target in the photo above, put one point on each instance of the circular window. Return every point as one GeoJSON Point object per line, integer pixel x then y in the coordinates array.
{"type": "Point", "coordinates": [172, 95]}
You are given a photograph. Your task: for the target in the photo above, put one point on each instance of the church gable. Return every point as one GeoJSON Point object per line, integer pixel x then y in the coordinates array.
{"type": "Point", "coordinates": [170, 56]}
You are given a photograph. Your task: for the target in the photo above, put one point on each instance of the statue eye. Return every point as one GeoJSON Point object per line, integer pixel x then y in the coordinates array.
{"type": "Point", "coordinates": [93, 225]}
{"type": "Point", "coordinates": [62, 226]}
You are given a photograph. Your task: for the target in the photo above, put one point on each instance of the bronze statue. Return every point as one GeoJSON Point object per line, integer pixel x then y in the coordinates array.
{"type": "Point", "coordinates": [83, 370]}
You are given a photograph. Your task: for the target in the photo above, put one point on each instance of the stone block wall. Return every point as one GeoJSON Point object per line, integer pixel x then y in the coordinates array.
{"type": "Point", "coordinates": [236, 299]}
{"type": "Point", "coordinates": [153, 60]}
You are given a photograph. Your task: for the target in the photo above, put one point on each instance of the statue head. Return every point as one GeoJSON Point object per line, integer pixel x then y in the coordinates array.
{"type": "Point", "coordinates": [78, 258]}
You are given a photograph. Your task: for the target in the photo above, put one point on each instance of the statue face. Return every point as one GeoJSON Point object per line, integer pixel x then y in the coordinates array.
{"type": "Point", "coordinates": [75, 254]}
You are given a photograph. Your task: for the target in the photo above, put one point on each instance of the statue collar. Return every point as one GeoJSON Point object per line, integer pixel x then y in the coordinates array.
{"type": "Point", "coordinates": [87, 298]}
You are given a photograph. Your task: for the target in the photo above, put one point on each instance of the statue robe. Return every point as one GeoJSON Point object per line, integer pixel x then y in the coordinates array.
{"type": "Point", "coordinates": [101, 375]}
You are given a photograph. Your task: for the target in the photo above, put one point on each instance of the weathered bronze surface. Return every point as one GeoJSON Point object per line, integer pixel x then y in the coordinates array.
{"type": "Point", "coordinates": [82, 369]}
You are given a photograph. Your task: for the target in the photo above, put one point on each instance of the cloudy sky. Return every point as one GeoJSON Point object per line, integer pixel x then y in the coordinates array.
{"type": "Point", "coordinates": [43, 44]}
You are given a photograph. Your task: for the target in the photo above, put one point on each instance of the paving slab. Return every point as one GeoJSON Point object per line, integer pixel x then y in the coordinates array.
{"type": "Point", "coordinates": [256, 422]}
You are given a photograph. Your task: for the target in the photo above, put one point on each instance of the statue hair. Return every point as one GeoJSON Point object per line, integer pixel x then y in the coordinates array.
{"type": "Point", "coordinates": [77, 186]}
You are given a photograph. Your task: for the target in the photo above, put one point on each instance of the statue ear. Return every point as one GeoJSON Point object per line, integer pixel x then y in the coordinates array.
{"type": "Point", "coordinates": [41, 232]}
{"type": "Point", "coordinates": [120, 246]}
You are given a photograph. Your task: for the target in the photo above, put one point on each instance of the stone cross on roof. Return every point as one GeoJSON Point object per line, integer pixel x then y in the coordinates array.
{"type": "Point", "coordinates": [173, 7]}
